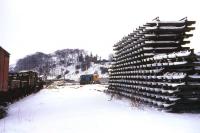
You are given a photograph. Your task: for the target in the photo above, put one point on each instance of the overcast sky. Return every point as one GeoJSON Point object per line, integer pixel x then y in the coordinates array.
{"type": "Point", "coordinates": [28, 26]}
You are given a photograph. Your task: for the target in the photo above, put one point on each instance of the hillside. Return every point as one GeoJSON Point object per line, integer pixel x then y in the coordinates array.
{"type": "Point", "coordinates": [66, 63]}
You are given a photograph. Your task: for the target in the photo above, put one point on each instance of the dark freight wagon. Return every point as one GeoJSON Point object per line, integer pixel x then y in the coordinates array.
{"type": "Point", "coordinates": [23, 83]}
{"type": "Point", "coordinates": [4, 64]}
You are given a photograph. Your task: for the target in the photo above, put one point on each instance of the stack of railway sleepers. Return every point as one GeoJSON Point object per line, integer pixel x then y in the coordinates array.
{"type": "Point", "coordinates": [153, 66]}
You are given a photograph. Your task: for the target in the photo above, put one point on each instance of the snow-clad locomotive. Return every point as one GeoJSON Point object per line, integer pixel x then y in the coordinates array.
{"type": "Point", "coordinates": [89, 79]}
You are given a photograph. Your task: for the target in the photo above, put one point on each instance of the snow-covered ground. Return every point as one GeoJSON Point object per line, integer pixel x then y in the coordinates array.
{"type": "Point", "coordinates": [85, 109]}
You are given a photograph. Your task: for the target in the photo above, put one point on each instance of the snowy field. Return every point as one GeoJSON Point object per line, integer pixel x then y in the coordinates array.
{"type": "Point", "coordinates": [85, 109]}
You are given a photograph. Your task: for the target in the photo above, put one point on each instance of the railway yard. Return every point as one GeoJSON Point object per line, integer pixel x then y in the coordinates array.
{"type": "Point", "coordinates": [87, 109]}
{"type": "Point", "coordinates": [153, 86]}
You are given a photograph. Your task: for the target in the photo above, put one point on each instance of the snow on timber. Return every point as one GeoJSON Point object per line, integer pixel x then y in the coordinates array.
{"type": "Point", "coordinates": [84, 109]}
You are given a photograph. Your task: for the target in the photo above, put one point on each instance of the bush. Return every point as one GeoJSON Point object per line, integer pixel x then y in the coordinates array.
{"type": "Point", "coordinates": [104, 70]}
{"type": "Point", "coordinates": [58, 77]}
{"type": "Point", "coordinates": [67, 71]}
{"type": "Point", "coordinates": [77, 72]}
{"type": "Point", "coordinates": [77, 67]}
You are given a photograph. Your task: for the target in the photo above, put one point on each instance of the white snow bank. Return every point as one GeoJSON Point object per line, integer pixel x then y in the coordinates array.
{"type": "Point", "coordinates": [73, 75]}
{"type": "Point", "coordinates": [83, 109]}
{"type": "Point", "coordinates": [95, 68]}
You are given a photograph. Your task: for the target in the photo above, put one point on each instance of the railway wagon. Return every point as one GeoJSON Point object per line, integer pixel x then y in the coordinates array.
{"type": "Point", "coordinates": [89, 79]}
{"type": "Point", "coordinates": [4, 65]}
{"type": "Point", "coordinates": [23, 83]}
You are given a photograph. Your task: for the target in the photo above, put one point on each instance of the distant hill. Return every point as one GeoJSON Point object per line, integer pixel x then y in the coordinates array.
{"type": "Point", "coordinates": [69, 62]}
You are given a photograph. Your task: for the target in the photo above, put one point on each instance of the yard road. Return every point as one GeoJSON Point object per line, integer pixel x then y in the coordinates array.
{"type": "Point", "coordinates": [87, 109]}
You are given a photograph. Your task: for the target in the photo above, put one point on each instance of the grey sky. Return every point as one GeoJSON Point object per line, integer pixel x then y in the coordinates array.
{"type": "Point", "coordinates": [27, 26]}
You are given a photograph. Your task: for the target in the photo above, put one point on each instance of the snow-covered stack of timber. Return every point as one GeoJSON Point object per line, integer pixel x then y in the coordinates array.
{"type": "Point", "coordinates": [153, 67]}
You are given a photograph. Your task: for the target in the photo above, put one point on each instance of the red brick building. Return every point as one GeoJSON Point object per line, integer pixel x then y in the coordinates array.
{"type": "Point", "coordinates": [4, 68]}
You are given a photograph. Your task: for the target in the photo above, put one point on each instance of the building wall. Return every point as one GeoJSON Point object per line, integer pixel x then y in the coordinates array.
{"type": "Point", "coordinates": [4, 67]}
